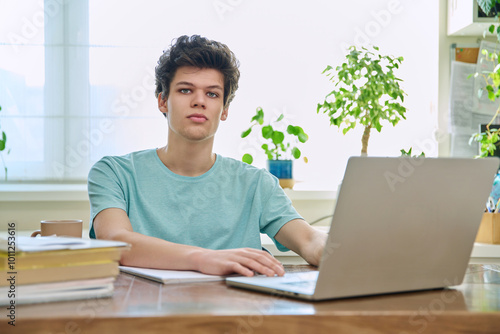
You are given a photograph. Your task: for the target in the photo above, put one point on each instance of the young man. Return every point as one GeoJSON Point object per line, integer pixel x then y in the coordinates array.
{"type": "Point", "coordinates": [182, 206]}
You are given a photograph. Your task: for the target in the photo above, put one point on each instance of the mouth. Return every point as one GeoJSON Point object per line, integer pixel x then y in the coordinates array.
{"type": "Point", "coordinates": [198, 118]}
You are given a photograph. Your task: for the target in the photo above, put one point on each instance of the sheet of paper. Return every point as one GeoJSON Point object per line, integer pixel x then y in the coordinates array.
{"type": "Point", "coordinates": [462, 106]}
{"type": "Point", "coordinates": [461, 97]}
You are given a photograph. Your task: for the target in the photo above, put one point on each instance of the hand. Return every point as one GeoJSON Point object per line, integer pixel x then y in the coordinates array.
{"type": "Point", "coordinates": [313, 251]}
{"type": "Point", "coordinates": [302, 238]}
{"type": "Point", "coordinates": [243, 261]}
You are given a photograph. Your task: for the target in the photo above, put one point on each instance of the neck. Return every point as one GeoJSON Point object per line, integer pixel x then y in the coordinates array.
{"type": "Point", "coordinates": [191, 159]}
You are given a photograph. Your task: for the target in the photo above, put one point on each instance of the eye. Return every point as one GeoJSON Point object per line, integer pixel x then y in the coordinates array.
{"type": "Point", "coordinates": [185, 90]}
{"type": "Point", "coordinates": [211, 94]}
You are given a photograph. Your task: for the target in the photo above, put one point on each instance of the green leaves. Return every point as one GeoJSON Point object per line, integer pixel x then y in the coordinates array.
{"type": "Point", "coordinates": [267, 131]}
{"type": "Point", "coordinates": [278, 137]}
{"type": "Point", "coordinates": [278, 145]}
{"type": "Point", "coordinates": [408, 153]}
{"type": "Point", "coordinates": [3, 141]}
{"type": "Point", "coordinates": [486, 5]}
{"type": "Point", "coordinates": [257, 119]}
{"type": "Point", "coordinates": [492, 80]}
{"type": "Point", "coordinates": [488, 142]}
{"type": "Point", "coordinates": [246, 133]}
{"type": "Point", "coordinates": [366, 91]}
{"type": "Point", "coordinates": [296, 153]}
{"type": "Point", "coordinates": [259, 116]}
{"type": "Point", "coordinates": [299, 132]}
{"type": "Point", "coordinates": [3, 145]}
{"type": "Point", "coordinates": [247, 158]}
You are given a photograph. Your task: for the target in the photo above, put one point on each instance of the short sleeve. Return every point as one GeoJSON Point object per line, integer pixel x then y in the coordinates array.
{"type": "Point", "coordinates": [105, 190]}
{"type": "Point", "coordinates": [277, 209]}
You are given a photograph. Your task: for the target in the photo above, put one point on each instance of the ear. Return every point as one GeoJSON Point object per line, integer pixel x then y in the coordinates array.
{"type": "Point", "coordinates": [224, 114]}
{"type": "Point", "coordinates": [162, 104]}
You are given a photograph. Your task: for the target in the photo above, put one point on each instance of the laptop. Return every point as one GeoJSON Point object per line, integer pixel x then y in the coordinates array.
{"type": "Point", "coordinates": [399, 224]}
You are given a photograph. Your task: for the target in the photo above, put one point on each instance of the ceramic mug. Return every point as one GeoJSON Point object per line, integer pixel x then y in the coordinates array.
{"type": "Point", "coordinates": [60, 228]}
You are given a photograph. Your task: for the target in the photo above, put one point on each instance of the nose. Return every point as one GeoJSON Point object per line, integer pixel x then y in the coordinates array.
{"type": "Point", "coordinates": [198, 100]}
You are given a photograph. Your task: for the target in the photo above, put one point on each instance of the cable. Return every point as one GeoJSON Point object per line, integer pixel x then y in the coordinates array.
{"type": "Point", "coordinates": [320, 219]}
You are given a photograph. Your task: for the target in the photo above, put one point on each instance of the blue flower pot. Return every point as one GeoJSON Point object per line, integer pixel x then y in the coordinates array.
{"type": "Point", "coordinates": [283, 170]}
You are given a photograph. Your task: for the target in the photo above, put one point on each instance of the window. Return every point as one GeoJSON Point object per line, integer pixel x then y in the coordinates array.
{"type": "Point", "coordinates": [77, 77]}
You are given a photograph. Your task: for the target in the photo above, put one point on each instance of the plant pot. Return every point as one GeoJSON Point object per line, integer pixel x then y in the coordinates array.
{"type": "Point", "coordinates": [489, 230]}
{"type": "Point", "coordinates": [283, 170]}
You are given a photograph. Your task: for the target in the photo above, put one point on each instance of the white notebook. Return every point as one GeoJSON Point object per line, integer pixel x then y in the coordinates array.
{"type": "Point", "coordinates": [171, 276]}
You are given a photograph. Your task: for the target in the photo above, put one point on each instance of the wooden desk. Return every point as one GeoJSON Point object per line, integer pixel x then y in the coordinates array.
{"type": "Point", "coordinates": [143, 306]}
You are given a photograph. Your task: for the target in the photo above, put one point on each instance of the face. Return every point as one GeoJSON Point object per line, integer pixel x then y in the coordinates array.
{"type": "Point", "coordinates": [195, 104]}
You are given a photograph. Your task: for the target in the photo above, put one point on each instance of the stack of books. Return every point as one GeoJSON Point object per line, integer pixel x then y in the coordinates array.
{"type": "Point", "coordinates": [43, 269]}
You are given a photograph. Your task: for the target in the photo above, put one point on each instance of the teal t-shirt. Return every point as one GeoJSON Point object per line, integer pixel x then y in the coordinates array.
{"type": "Point", "coordinates": [227, 207]}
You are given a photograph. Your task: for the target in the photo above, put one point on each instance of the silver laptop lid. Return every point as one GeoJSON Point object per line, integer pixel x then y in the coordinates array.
{"type": "Point", "coordinates": [403, 224]}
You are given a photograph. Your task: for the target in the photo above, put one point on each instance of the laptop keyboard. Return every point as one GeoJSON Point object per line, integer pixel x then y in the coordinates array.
{"type": "Point", "coordinates": [302, 284]}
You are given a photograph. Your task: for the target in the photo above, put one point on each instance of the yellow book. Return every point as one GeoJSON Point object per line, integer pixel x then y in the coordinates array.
{"type": "Point", "coordinates": [25, 260]}
{"type": "Point", "coordinates": [68, 272]}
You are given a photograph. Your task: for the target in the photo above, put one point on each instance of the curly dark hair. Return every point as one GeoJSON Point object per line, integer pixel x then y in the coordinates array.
{"type": "Point", "coordinates": [198, 52]}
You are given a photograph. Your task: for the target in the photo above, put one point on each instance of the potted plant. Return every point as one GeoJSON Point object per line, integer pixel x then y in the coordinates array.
{"type": "Point", "coordinates": [3, 142]}
{"type": "Point", "coordinates": [488, 136]}
{"type": "Point", "coordinates": [366, 92]}
{"type": "Point", "coordinates": [408, 153]}
{"type": "Point", "coordinates": [488, 139]}
{"type": "Point", "coordinates": [280, 146]}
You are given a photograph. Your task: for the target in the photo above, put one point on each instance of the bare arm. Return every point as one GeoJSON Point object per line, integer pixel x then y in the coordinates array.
{"type": "Point", "coordinates": [303, 239]}
{"type": "Point", "coordinates": [151, 252]}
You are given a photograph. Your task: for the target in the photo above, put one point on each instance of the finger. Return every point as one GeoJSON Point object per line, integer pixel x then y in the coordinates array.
{"type": "Point", "coordinates": [267, 260]}
{"type": "Point", "coordinates": [242, 270]}
{"type": "Point", "coordinates": [258, 267]}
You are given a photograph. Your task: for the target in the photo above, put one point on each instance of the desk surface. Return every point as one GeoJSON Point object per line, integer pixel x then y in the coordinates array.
{"type": "Point", "coordinates": [143, 306]}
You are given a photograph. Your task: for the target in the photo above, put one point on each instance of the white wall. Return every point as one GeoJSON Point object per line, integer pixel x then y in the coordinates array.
{"type": "Point", "coordinates": [297, 39]}
{"type": "Point", "coordinates": [283, 47]}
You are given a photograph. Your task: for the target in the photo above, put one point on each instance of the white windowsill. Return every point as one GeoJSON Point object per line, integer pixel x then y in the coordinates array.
{"type": "Point", "coordinates": [78, 192]}
{"type": "Point", "coordinates": [43, 192]}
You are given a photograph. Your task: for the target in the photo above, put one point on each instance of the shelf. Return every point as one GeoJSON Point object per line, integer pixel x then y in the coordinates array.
{"type": "Point", "coordinates": [464, 19]}
{"type": "Point", "coordinates": [43, 192]}
{"type": "Point", "coordinates": [311, 195]}
{"type": "Point", "coordinates": [486, 250]}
